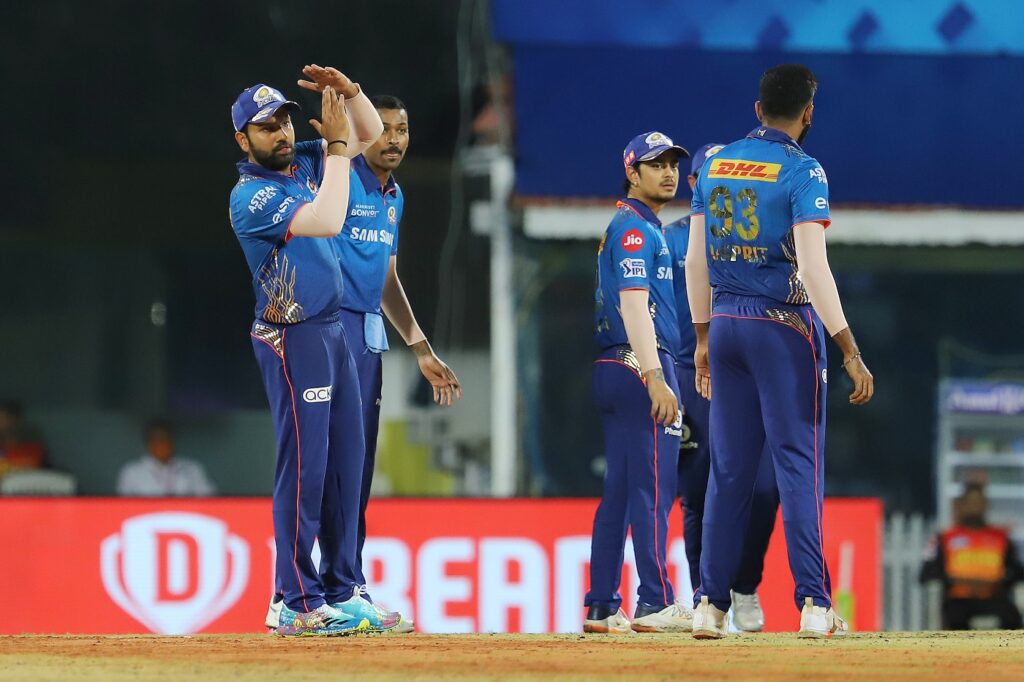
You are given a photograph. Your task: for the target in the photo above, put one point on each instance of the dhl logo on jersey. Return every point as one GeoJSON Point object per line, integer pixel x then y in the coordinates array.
{"type": "Point", "coordinates": [748, 170]}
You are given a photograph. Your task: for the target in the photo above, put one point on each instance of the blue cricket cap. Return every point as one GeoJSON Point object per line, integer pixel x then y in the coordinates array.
{"type": "Point", "coordinates": [257, 104]}
{"type": "Point", "coordinates": [702, 155]}
{"type": "Point", "coordinates": [647, 146]}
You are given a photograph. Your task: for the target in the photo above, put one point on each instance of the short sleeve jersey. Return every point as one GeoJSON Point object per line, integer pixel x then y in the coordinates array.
{"type": "Point", "coordinates": [369, 238]}
{"type": "Point", "coordinates": [677, 237]}
{"type": "Point", "coordinates": [294, 278]}
{"type": "Point", "coordinates": [751, 194]}
{"type": "Point", "coordinates": [633, 255]}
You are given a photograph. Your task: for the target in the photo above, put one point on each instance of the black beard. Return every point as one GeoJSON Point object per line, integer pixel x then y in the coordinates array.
{"type": "Point", "coordinates": [274, 161]}
{"type": "Point", "coordinates": [803, 134]}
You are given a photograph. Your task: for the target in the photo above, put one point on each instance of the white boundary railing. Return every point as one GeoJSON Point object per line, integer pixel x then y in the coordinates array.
{"type": "Point", "coordinates": [907, 604]}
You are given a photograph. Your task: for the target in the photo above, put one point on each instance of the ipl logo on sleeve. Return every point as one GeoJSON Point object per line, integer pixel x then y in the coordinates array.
{"type": "Point", "coordinates": [633, 267]}
{"type": "Point", "coordinates": [174, 572]}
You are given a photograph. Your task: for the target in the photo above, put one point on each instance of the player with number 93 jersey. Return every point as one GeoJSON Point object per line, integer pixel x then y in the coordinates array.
{"type": "Point", "coordinates": [752, 192]}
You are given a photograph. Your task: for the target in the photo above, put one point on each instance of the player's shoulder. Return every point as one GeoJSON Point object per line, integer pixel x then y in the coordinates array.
{"type": "Point", "coordinates": [622, 219]}
{"type": "Point", "coordinates": [252, 193]}
{"type": "Point", "coordinates": [806, 166]}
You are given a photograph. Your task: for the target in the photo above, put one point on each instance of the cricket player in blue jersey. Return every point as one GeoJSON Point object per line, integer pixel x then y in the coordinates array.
{"type": "Point", "coordinates": [290, 200]}
{"type": "Point", "coordinates": [633, 385]}
{"type": "Point", "coordinates": [757, 240]}
{"type": "Point", "coordinates": [695, 453]}
{"type": "Point", "coordinates": [367, 249]}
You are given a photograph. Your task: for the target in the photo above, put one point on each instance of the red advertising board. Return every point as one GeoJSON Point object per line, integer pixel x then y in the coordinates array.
{"type": "Point", "coordinates": [205, 565]}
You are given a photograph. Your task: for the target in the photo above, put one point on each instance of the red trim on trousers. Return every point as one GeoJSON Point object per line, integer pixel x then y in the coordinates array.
{"type": "Point", "coordinates": [761, 319]}
{"type": "Point", "coordinates": [620, 362]}
{"type": "Point", "coordinates": [298, 479]}
{"type": "Point", "coordinates": [817, 505]}
{"type": "Point", "coordinates": [657, 553]}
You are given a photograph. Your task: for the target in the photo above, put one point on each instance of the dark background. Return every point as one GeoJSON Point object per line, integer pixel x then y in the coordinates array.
{"type": "Point", "coordinates": [120, 158]}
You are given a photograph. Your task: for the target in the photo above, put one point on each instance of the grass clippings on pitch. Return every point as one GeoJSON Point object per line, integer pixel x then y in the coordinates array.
{"type": "Point", "coordinates": [991, 656]}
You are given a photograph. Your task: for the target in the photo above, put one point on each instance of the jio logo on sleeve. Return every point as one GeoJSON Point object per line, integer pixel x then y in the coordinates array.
{"type": "Point", "coordinates": [174, 572]}
{"type": "Point", "coordinates": [633, 241]}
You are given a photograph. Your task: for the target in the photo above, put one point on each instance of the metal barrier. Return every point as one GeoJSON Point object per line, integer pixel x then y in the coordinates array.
{"type": "Point", "coordinates": [906, 603]}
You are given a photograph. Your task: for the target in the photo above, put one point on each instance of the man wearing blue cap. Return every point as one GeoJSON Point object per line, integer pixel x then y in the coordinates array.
{"type": "Point", "coordinates": [289, 201]}
{"type": "Point", "coordinates": [367, 254]}
{"type": "Point", "coordinates": [695, 453]}
{"type": "Point", "coordinates": [633, 386]}
{"type": "Point", "coordinates": [759, 213]}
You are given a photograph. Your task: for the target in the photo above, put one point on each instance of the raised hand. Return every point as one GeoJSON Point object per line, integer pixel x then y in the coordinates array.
{"type": "Point", "coordinates": [324, 76]}
{"type": "Point", "coordinates": [335, 124]}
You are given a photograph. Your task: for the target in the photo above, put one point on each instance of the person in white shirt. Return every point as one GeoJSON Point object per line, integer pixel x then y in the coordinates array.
{"type": "Point", "coordinates": [159, 473]}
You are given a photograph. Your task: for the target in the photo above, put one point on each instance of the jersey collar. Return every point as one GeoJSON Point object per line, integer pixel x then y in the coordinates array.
{"type": "Point", "coordinates": [641, 209]}
{"type": "Point", "coordinates": [370, 182]}
{"type": "Point", "coordinates": [246, 167]}
{"type": "Point", "coordinates": [773, 135]}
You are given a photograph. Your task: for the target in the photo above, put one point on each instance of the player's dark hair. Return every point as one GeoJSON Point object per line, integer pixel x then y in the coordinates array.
{"type": "Point", "coordinates": [786, 90]}
{"type": "Point", "coordinates": [387, 102]}
{"type": "Point", "coordinates": [155, 426]}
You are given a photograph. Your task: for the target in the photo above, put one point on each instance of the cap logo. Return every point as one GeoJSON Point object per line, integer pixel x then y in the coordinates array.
{"type": "Point", "coordinates": [263, 114]}
{"type": "Point", "coordinates": [658, 140]}
{"type": "Point", "coordinates": [266, 95]}
{"type": "Point", "coordinates": [713, 150]}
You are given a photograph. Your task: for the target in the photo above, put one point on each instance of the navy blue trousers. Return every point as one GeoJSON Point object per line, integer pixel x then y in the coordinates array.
{"type": "Point", "coordinates": [768, 380]}
{"type": "Point", "coordinates": [639, 483]}
{"type": "Point", "coordinates": [369, 370]}
{"type": "Point", "coordinates": [694, 469]}
{"type": "Point", "coordinates": [311, 385]}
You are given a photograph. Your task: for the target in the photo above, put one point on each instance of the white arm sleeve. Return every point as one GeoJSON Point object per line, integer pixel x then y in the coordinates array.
{"type": "Point", "coordinates": [698, 284]}
{"type": "Point", "coordinates": [636, 318]}
{"type": "Point", "coordinates": [816, 275]}
{"type": "Point", "coordinates": [366, 126]}
{"type": "Point", "coordinates": [325, 216]}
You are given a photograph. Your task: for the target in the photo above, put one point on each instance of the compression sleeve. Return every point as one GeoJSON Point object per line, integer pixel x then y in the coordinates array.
{"type": "Point", "coordinates": [698, 285]}
{"type": "Point", "coordinates": [366, 125]}
{"type": "Point", "coordinates": [325, 215]}
{"type": "Point", "coordinates": [636, 318]}
{"type": "Point", "coordinates": [816, 275]}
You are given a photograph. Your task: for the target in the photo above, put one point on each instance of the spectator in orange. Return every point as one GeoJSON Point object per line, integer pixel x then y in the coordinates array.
{"type": "Point", "coordinates": [21, 447]}
{"type": "Point", "coordinates": [977, 565]}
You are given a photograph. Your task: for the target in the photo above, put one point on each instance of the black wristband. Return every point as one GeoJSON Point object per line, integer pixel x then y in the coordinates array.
{"type": "Point", "coordinates": [338, 142]}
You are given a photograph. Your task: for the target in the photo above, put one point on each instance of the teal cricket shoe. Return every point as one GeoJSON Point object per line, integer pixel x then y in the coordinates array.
{"type": "Point", "coordinates": [324, 621]}
{"type": "Point", "coordinates": [359, 607]}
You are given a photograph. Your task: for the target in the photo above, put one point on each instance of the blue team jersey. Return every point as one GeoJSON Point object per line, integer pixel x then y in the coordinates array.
{"type": "Point", "coordinates": [677, 237]}
{"type": "Point", "coordinates": [294, 279]}
{"type": "Point", "coordinates": [633, 255]}
{"type": "Point", "coordinates": [751, 194]}
{"type": "Point", "coordinates": [369, 238]}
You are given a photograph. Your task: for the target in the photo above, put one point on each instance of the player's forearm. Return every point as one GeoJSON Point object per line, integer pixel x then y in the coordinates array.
{"type": "Point", "coordinates": [636, 318]}
{"type": "Point", "coordinates": [698, 284]}
{"type": "Point", "coordinates": [366, 124]}
{"type": "Point", "coordinates": [325, 215]}
{"type": "Point", "coordinates": [395, 305]}
{"type": "Point", "coordinates": [817, 278]}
